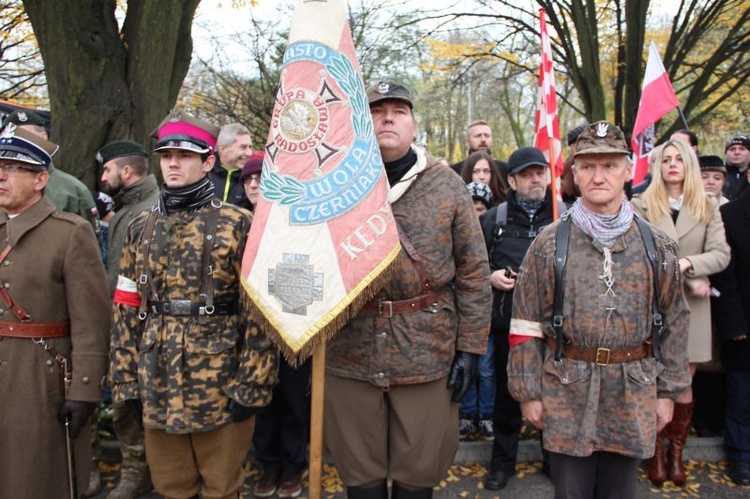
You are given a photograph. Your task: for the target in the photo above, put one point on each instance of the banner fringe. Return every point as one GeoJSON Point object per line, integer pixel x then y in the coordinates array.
{"type": "Point", "coordinates": [329, 331]}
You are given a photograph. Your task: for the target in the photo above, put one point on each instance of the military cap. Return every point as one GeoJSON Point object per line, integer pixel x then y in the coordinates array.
{"type": "Point", "coordinates": [480, 192]}
{"type": "Point", "coordinates": [23, 146]}
{"type": "Point", "coordinates": [525, 157]}
{"type": "Point", "coordinates": [738, 140]}
{"type": "Point", "coordinates": [180, 130]}
{"type": "Point", "coordinates": [119, 149]}
{"type": "Point", "coordinates": [710, 162]}
{"type": "Point", "coordinates": [601, 138]}
{"type": "Point", "coordinates": [253, 165]}
{"type": "Point", "coordinates": [24, 117]}
{"type": "Point", "coordinates": [387, 90]}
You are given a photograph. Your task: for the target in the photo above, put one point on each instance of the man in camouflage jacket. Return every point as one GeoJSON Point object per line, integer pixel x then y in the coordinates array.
{"type": "Point", "coordinates": [388, 364]}
{"type": "Point", "coordinates": [601, 403]}
{"type": "Point", "coordinates": [182, 342]}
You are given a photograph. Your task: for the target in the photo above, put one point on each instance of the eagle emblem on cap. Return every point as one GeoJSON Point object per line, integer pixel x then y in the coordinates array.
{"type": "Point", "coordinates": [384, 87]}
{"type": "Point", "coordinates": [9, 131]}
{"type": "Point", "coordinates": [175, 115]}
{"type": "Point", "coordinates": [99, 157]}
{"type": "Point", "coordinates": [601, 130]}
{"type": "Point", "coordinates": [22, 116]}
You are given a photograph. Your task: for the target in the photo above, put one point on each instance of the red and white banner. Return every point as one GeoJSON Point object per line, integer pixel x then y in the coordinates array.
{"type": "Point", "coordinates": [323, 235]}
{"type": "Point", "coordinates": [546, 123]}
{"type": "Point", "coordinates": [657, 99]}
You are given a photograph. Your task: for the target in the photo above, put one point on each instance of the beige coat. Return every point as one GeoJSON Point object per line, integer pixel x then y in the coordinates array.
{"type": "Point", "coordinates": [707, 249]}
{"type": "Point", "coordinates": [54, 272]}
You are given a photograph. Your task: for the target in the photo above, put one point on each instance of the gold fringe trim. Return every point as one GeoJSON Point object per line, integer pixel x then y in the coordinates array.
{"type": "Point", "coordinates": [344, 312]}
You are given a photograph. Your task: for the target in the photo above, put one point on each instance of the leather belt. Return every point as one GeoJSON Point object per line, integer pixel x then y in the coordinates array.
{"type": "Point", "coordinates": [34, 330]}
{"type": "Point", "coordinates": [190, 308]}
{"type": "Point", "coordinates": [385, 308]}
{"type": "Point", "coordinates": [602, 356]}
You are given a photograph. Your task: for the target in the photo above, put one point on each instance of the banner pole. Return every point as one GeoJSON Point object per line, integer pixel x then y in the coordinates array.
{"type": "Point", "coordinates": [316, 420]}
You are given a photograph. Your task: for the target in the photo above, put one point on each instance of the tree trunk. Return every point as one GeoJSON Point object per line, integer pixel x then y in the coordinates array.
{"type": "Point", "coordinates": [105, 85]}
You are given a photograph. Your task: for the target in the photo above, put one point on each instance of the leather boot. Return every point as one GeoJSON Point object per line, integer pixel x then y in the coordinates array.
{"type": "Point", "coordinates": [377, 491]}
{"type": "Point", "coordinates": [677, 433]}
{"type": "Point", "coordinates": [657, 465]}
{"type": "Point", "coordinates": [401, 492]}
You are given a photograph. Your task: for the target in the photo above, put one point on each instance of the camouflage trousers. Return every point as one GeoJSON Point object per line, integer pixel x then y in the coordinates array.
{"type": "Point", "coordinates": [133, 450]}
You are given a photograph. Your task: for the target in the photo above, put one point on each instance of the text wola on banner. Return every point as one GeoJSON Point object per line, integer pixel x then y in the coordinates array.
{"type": "Point", "coordinates": [323, 236]}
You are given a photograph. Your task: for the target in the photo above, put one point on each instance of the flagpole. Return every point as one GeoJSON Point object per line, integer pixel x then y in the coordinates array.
{"type": "Point", "coordinates": [682, 117]}
{"type": "Point", "coordinates": [316, 420]}
{"type": "Point", "coordinates": [553, 177]}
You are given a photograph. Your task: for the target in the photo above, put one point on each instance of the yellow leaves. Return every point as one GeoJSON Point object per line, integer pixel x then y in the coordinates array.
{"type": "Point", "coordinates": [446, 53]}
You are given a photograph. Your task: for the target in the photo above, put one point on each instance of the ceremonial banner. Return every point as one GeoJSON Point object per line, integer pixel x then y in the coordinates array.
{"type": "Point", "coordinates": [547, 123]}
{"type": "Point", "coordinates": [323, 236]}
{"type": "Point", "coordinates": [657, 99]}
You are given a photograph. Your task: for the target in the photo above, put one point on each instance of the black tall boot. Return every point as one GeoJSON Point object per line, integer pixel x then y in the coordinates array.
{"type": "Point", "coordinates": [401, 492]}
{"type": "Point", "coordinates": [377, 491]}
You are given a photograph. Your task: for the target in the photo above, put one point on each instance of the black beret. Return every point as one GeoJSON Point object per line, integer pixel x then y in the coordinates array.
{"type": "Point", "coordinates": [118, 149]}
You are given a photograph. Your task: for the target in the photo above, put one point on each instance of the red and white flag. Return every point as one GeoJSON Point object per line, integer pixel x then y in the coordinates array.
{"type": "Point", "coordinates": [547, 124]}
{"type": "Point", "coordinates": [323, 235]}
{"type": "Point", "coordinates": [657, 99]}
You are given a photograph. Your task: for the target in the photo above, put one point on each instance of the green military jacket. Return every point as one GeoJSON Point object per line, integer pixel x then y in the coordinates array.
{"type": "Point", "coordinates": [70, 195]}
{"type": "Point", "coordinates": [129, 202]}
{"type": "Point", "coordinates": [186, 368]}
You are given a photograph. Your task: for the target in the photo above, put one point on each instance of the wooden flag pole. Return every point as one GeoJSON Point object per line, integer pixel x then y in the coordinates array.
{"type": "Point", "coordinates": [316, 420]}
{"type": "Point", "coordinates": [553, 183]}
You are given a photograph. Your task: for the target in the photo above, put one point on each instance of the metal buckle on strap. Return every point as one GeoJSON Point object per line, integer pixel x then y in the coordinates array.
{"type": "Point", "coordinates": [385, 312]}
{"type": "Point", "coordinates": [602, 352]}
{"type": "Point", "coordinates": [176, 307]}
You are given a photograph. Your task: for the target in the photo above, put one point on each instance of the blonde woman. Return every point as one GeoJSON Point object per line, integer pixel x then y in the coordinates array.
{"type": "Point", "coordinates": [676, 203]}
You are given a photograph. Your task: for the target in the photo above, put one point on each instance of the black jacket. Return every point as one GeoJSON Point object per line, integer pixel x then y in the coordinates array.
{"type": "Point", "coordinates": [735, 183]}
{"type": "Point", "coordinates": [507, 245]}
{"type": "Point", "coordinates": [220, 176]}
{"type": "Point", "coordinates": [732, 309]}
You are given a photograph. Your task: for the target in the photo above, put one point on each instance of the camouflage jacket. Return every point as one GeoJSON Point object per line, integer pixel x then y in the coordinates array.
{"type": "Point", "coordinates": [438, 216]}
{"type": "Point", "coordinates": [589, 407]}
{"type": "Point", "coordinates": [185, 368]}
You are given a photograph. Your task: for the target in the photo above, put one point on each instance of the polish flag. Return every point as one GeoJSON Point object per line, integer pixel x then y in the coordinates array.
{"type": "Point", "coordinates": [657, 99]}
{"type": "Point", "coordinates": [547, 124]}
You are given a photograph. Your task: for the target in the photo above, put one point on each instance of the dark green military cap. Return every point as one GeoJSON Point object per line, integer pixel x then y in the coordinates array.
{"type": "Point", "coordinates": [387, 90]}
{"type": "Point", "coordinates": [24, 117]}
{"type": "Point", "coordinates": [119, 149]}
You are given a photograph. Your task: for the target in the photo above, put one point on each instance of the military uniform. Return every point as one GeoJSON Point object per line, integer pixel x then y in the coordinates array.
{"type": "Point", "coordinates": [407, 357]}
{"type": "Point", "coordinates": [129, 202]}
{"type": "Point", "coordinates": [182, 340]}
{"type": "Point", "coordinates": [139, 196]}
{"type": "Point", "coordinates": [53, 272]}
{"type": "Point", "coordinates": [70, 195]}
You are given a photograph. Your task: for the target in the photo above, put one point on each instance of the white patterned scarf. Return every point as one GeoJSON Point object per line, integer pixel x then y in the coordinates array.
{"type": "Point", "coordinates": [602, 228]}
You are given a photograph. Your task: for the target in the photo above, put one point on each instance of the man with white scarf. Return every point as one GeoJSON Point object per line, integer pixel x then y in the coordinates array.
{"type": "Point", "coordinates": [606, 383]}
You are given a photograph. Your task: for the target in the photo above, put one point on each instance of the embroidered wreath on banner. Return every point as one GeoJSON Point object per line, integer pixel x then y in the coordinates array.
{"type": "Point", "coordinates": [287, 190]}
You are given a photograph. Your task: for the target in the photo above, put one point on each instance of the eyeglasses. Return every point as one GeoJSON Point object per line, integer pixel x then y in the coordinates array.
{"type": "Point", "coordinates": [14, 168]}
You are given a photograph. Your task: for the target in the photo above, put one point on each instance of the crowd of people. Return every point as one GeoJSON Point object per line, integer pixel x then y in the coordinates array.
{"type": "Point", "coordinates": [593, 328]}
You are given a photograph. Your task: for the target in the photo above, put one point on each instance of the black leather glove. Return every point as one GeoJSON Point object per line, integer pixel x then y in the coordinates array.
{"type": "Point", "coordinates": [240, 412]}
{"type": "Point", "coordinates": [78, 413]}
{"type": "Point", "coordinates": [463, 374]}
{"type": "Point", "coordinates": [136, 409]}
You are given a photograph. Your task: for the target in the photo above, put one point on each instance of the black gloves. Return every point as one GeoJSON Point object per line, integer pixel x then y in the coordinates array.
{"type": "Point", "coordinates": [78, 412]}
{"type": "Point", "coordinates": [136, 408]}
{"type": "Point", "coordinates": [463, 374]}
{"type": "Point", "coordinates": [240, 412]}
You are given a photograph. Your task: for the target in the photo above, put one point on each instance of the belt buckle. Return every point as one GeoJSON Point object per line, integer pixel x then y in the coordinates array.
{"type": "Point", "coordinates": [178, 307]}
{"type": "Point", "coordinates": [599, 352]}
{"type": "Point", "coordinates": [382, 311]}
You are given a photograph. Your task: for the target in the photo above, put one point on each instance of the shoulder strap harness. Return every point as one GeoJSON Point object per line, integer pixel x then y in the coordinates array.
{"type": "Point", "coordinates": [562, 238]}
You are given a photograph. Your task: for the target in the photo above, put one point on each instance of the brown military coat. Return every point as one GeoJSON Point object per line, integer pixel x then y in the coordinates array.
{"type": "Point", "coordinates": [54, 272]}
{"type": "Point", "coordinates": [589, 407]}
{"type": "Point", "coordinates": [438, 216]}
{"type": "Point", "coordinates": [184, 369]}
{"type": "Point", "coordinates": [706, 247]}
